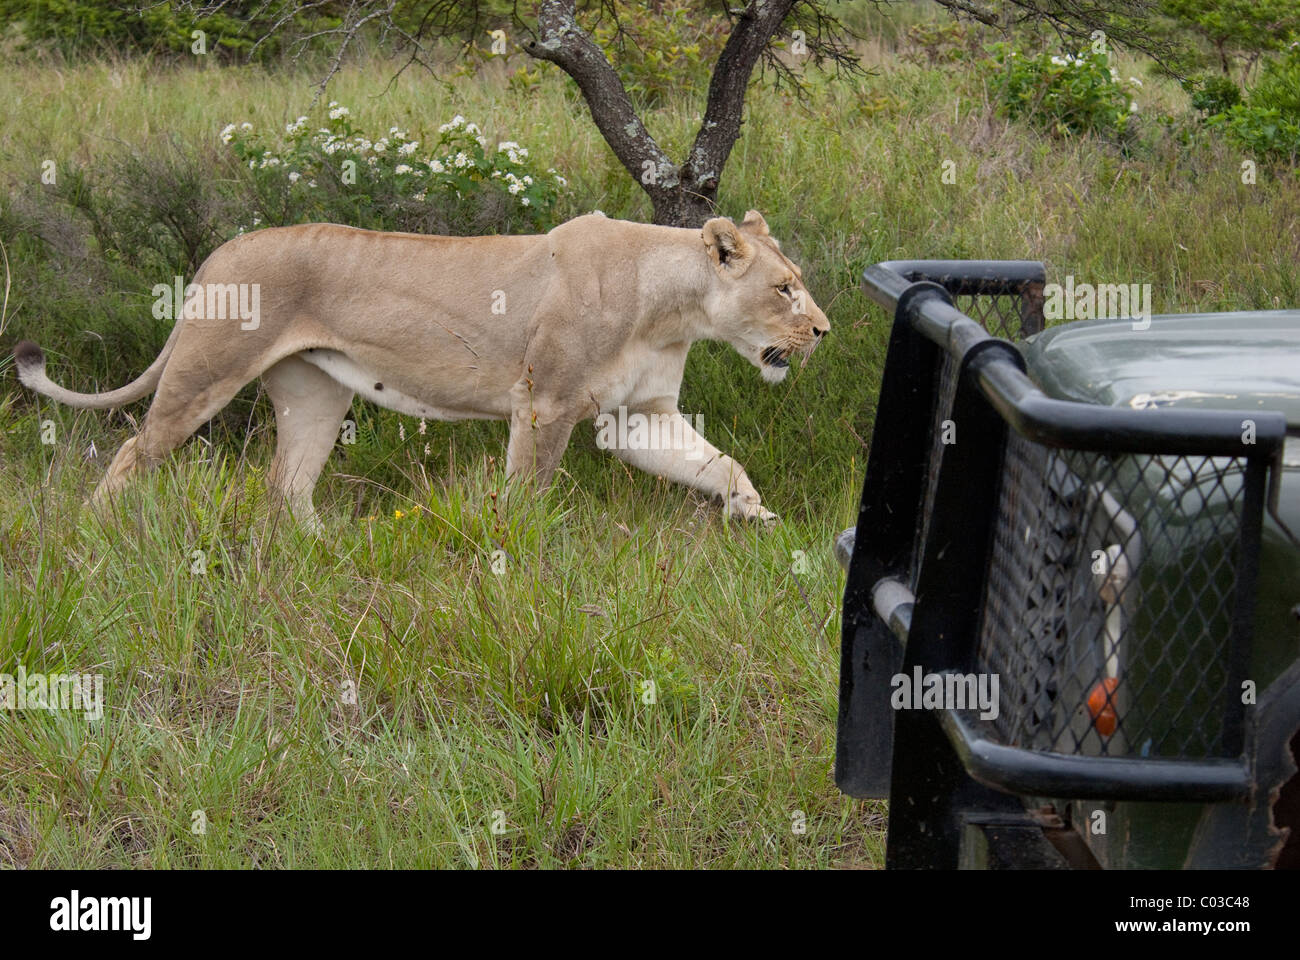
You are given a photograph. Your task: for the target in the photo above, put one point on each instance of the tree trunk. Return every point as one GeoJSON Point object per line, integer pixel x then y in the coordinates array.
{"type": "Point", "coordinates": [683, 195]}
{"type": "Point", "coordinates": [682, 209]}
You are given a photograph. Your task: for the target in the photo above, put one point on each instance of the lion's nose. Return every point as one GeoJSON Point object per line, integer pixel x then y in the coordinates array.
{"type": "Point", "coordinates": [820, 332]}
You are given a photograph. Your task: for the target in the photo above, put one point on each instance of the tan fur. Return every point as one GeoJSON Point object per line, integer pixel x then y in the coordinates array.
{"type": "Point", "coordinates": [594, 315]}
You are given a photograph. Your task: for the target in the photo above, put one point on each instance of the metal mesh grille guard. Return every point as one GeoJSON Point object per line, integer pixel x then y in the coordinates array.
{"type": "Point", "coordinates": [1110, 584]}
{"type": "Point", "coordinates": [1108, 609]}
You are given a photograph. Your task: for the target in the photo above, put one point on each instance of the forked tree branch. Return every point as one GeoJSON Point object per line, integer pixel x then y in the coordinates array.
{"type": "Point", "coordinates": [757, 24]}
{"type": "Point", "coordinates": [562, 41]}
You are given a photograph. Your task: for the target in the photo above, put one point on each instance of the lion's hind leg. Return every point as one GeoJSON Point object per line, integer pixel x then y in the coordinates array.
{"type": "Point", "coordinates": [309, 410]}
{"type": "Point", "coordinates": [120, 469]}
{"type": "Point", "coordinates": [178, 409]}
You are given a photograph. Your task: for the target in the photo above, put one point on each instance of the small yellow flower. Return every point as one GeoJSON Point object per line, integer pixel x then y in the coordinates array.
{"type": "Point", "coordinates": [398, 514]}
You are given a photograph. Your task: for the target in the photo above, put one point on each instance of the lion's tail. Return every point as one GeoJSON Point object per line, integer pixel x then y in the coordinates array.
{"type": "Point", "coordinates": [30, 360]}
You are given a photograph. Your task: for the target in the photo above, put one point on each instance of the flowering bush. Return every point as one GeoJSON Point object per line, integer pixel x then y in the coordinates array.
{"type": "Point", "coordinates": [453, 182]}
{"type": "Point", "coordinates": [1066, 94]}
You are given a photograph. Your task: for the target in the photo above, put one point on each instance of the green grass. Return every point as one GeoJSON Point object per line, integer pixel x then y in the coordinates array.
{"type": "Point", "coordinates": [521, 692]}
{"type": "Point", "coordinates": [475, 691]}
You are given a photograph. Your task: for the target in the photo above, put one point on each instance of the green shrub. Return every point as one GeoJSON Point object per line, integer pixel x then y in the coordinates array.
{"type": "Point", "coordinates": [1213, 94]}
{"type": "Point", "coordinates": [87, 27]}
{"type": "Point", "coordinates": [457, 184]}
{"type": "Point", "coordinates": [1279, 84]}
{"type": "Point", "coordinates": [1263, 131]}
{"type": "Point", "coordinates": [1268, 123]}
{"type": "Point", "coordinates": [159, 209]}
{"type": "Point", "coordinates": [1064, 94]}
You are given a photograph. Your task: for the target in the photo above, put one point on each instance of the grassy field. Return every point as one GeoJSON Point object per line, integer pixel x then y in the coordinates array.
{"type": "Point", "coordinates": [383, 696]}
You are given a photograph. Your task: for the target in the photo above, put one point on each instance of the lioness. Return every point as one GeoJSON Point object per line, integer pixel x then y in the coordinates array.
{"type": "Point", "coordinates": [545, 330]}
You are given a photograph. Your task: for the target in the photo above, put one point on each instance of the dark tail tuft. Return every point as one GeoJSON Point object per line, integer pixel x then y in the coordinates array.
{"type": "Point", "coordinates": [28, 355]}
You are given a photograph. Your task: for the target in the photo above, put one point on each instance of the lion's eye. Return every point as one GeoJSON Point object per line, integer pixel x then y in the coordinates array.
{"type": "Point", "coordinates": [784, 289]}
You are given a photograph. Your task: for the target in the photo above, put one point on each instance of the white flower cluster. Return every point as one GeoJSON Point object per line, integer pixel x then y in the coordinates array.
{"type": "Point", "coordinates": [228, 131]}
{"type": "Point", "coordinates": [516, 153]}
{"type": "Point", "coordinates": [515, 184]}
{"type": "Point", "coordinates": [398, 145]}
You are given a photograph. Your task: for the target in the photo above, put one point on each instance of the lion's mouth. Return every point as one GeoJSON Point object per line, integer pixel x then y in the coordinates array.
{"type": "Point", "coordinates": [776, 358]}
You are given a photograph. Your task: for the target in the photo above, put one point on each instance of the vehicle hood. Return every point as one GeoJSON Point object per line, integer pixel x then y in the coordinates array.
{"type": "Point", "coordinates": [1246, 361]}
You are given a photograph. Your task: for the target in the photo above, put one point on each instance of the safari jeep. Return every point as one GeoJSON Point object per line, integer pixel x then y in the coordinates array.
{"type": "Point", "coordinates": [1070, 631]}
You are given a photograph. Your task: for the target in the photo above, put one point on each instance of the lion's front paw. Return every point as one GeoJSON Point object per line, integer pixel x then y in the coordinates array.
{"type": "Point", "coordinates": [748, 506]}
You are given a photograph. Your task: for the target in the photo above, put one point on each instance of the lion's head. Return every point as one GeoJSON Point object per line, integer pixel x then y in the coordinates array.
{"type": "Point", "coordinates": [760, 305]}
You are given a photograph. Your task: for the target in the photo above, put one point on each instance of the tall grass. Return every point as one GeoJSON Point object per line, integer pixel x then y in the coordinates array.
{"type": "Point", "coordinates": [383, 696]}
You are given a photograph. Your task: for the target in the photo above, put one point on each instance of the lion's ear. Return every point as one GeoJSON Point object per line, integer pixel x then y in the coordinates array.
{"type": "Point", "coordinates": [730, 252]}
{"type": "Point", "coordinates": [755, 223]}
